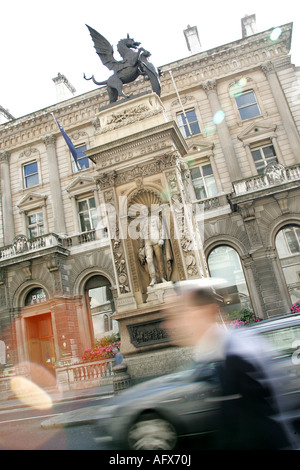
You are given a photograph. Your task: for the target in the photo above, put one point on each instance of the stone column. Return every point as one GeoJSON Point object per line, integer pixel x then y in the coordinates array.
{"type": "Point", "coordinates": [55, 186]}
{"type": "Point", "coordinates": [253, 286]}
{"type": "Point", "coordinates": [210, 87]}
{"type": "Point", "coordinates": [283, 109]}
{"type": "Point", "coordinates": [6, 199]}
{"type": "Point", "coordinates": [125, 299]}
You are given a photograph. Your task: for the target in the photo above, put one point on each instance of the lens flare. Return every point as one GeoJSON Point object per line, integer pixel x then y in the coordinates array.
{"type": "Point", "coordinates": [30, 394]}
{"type": "Point", "coordinates": [219, 117]}
{"type": "Point", "coordinates": [237, 88]}
{"type": "Point", "coordinates": [209, 130]}
{"type": "Point", "coordinates": [166, 195]}
{"type": "Point", "coordinates": [242, 82]}
{"type": "Point", "coordinates": [276, 33]}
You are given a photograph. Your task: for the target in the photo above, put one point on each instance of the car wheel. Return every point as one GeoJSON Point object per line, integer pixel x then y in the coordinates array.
{"type": "Point", "coordinates": [151, 432]}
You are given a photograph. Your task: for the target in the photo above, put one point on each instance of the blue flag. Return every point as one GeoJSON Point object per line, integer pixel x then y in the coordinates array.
{"type": "Point", "coordinates": [69, 144]}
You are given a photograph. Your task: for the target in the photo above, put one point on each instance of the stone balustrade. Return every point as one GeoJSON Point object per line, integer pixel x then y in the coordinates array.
{"type": "Point", "coordinates": [83, 375]}
{"type": "Point", "coordinates": [274, 175]}
{"type": "Point", "coordinates": [21, 245]}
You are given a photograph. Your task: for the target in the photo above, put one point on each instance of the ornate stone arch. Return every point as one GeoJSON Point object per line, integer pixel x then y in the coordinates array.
{"type": "Point", "coordinates": [90, 328]}
{"type": "Point", "coordinates": [145, 202]}
{"type": "Point", "coordinates": [143, 194]}
{"type": "Point", "coordinates": [246, 263]}
{"type": "Point", "coordinates": [287, 264]}
{"type": "Point", "coordinates": [87, 274]}
{"type": "Point", "coordinates": [23, 290]}
{"type": "Point", "coordinates": [278, 224]}
{"type": "Point", "coordinates": [229, 240]}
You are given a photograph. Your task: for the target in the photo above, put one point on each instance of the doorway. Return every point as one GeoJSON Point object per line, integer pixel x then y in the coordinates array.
{"type": "Point", "coordinates": [41, 341]}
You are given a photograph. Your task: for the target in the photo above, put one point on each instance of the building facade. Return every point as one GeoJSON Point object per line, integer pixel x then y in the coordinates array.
{"type": "Point", "coordinates": [224, 135]}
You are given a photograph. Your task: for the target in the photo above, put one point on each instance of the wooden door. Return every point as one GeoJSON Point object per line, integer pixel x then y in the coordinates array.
{"type": "Point", "coordinates": [41, 341]}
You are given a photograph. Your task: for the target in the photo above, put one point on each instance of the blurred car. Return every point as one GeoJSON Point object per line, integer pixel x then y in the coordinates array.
{"type": "Point", "coordinates": [283, 338]}
{"type": "Point", "coordinates": [157, 414]}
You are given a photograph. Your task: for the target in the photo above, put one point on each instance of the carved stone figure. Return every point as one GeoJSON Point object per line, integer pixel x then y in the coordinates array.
{"type": "Point", "coordinates": [155, 250]}
{"type": "Point", "coordinates": [135, 62]}
{"type": "Point", "coordinates": [275, 173]}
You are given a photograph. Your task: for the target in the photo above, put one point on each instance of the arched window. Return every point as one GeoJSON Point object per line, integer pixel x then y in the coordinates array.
{"type": "Point", "coordinates": [35, 296]}
{"type": "Point", "coordinates": [288, 249]}
{"type": "Point", "coordinates": [100, 305]}
{"type": "Point", "coordinates": [106, 323]}
{"type": "Point", "coordinates": [224, 262]}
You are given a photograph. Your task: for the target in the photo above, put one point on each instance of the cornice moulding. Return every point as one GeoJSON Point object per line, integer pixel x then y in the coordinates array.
{"type": "Point", "coordinates": [219, 62]}
{"type": "Point", "coordinates": [138, 140]}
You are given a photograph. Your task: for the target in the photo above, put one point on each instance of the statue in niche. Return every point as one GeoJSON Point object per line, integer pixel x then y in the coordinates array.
{"type": "Point", "coordinates": [155, 253]}
{"type": "Point", "coordinates": [135, 63]}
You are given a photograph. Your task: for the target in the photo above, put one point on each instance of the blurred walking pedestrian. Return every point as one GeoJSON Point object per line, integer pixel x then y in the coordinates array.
{"type": "Point", "coordinates": [249, 409]}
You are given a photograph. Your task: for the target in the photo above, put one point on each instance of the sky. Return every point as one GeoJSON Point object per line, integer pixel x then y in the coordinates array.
{"type": "Point", "coordinates": [41, 38]}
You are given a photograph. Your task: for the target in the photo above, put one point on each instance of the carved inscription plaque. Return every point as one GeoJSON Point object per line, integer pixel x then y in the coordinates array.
{"type": "Point", "coordinates": [147, 333]}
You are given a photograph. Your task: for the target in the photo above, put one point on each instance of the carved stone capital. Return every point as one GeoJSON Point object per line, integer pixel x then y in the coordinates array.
{"type": "Point", "coordinates": [247, 211]}
{"type": "Point", "coordinates": [283, 201]}
{"type": "Point", "coordinates": [268, 68]}
{"type": "Point", "coordinates": [96, 123]}
{"type": "Point", "coordinates": [210, 86]}
{"type": "Point", "coordinates": [49, 140]}
{"type": "Point", "coordinates": [4, 157]}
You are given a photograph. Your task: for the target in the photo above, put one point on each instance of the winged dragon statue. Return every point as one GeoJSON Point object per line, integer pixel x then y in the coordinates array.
{"type": "Point", "coordinates": [135, 63]}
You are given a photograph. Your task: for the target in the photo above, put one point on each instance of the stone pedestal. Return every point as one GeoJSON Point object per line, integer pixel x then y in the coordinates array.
{"type": "Point", "coordinates": [157, 294]}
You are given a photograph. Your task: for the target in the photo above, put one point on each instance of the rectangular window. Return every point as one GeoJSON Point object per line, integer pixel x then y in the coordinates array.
{"type": "Point", "coordinates": [82, 160]}
{"type": "Point", "coordinates": [188, 123]}
{"type": "Point", "coordinates": [203, 181]}
{"type": "Point", "coordinates": [87, 214]}
{"type": "Point", "coordinates": [31, 176]}
{"type": "Point", "coordinates": [262, 156]}
{"type": "Point", "coordinates": [247, 105]}
{"type": "Point", "coordinates": [35, 224]}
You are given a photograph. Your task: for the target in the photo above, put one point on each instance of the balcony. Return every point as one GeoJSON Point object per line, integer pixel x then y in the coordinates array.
{"type": "Point", "coordinates": [24, 248]}
{"type": "Point", "coordinates": [77, 243]}
{"type": "Point", "coordinates": [275, 175]}
{"type": "Point", "coordinates": [211, 207]}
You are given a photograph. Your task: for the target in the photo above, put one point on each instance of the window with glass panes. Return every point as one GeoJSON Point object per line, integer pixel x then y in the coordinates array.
{"type": "Point", "coordinates": [262, 156]}
{"type": "Point", "coordinates": [203, 181]}
{"type": "Point", "coordinates": [82, 160]}
{"type": "Point", "coordinates": [247, 105]}
{"type": "Point", "coordinates": [87, 214]}
{"type": "Point", "coordinates": [31, 175]}
{"type": "Point", "coordinates": [292, 236]}
{"type": "Point", "coordinates": [35, 224]}
{"type": "Point", "coordinates": [188, 123]}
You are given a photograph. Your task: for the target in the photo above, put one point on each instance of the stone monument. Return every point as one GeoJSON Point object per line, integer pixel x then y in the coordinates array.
{"type": "Point", "coordinates": [153, 235]}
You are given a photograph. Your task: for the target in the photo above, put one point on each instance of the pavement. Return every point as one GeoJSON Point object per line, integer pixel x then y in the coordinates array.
{"type": "Point", "coordinates": [79, 416]}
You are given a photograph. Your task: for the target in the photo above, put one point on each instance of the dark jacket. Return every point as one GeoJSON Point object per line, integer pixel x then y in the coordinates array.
{"type": "Point", "coordinates": [249, 406]}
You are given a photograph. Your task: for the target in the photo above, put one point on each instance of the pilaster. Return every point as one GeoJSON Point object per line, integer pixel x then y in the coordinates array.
{"type": "Point", "coordinates": [210, 87]}
{"type": "Point", "coordinates": [55, 185]}
{"type": "Point", "coordinates": [6, 199]}
{"type": "Point", "coordinates": [286, 117]}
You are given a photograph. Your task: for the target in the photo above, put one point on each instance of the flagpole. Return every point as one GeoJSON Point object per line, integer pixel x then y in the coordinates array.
{"type": "Point", "coordinates": [68, 142]}
{"type": "Point", "coordinates": [180, 102]}
{"type": "Point", "coordinates": [52, 114]}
